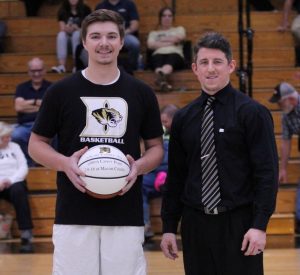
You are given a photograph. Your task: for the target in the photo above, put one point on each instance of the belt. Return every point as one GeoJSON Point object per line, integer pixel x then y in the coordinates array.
{"type": "Point", "coordinates": [215, 211]}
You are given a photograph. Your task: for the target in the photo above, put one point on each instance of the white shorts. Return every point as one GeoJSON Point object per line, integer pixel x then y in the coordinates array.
{"type": "Point", "coordinates": [98, 250]}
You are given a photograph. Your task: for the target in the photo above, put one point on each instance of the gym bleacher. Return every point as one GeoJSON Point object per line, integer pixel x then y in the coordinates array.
{"type": "Point", "coordinates": [273, 62]}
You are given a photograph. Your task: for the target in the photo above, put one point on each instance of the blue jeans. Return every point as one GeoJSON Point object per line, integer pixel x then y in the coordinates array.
{"type": "Point", "coordinates": [21, 136]}
{"type": "Point", "coordinates": [64, 40]}
{"type": "Point", "coordinates": [132, 44]}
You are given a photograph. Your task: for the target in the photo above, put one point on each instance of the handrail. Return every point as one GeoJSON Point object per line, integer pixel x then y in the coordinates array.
{"type": "Point", "coordinates": [245, 73]}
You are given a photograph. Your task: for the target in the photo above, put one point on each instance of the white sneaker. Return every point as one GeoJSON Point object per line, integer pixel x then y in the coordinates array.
{"type": "Point", "coordinates": [59, 69]}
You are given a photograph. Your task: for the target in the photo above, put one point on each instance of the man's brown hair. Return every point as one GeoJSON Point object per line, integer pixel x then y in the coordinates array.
{"type": "Point", "coordinates": [103, 15]}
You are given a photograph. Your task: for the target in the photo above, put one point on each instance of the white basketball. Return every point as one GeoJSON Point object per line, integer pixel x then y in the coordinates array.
{"type": "Point", "coordinates": [106, 169]}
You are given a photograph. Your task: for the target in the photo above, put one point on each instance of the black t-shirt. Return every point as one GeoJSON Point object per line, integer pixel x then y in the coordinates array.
{"type": "Point", "coordinates": [127, 9]}
{"type": "Point", "coordinates": [72, 110]}
{"type": "Point", "coordinates": [69, 17]}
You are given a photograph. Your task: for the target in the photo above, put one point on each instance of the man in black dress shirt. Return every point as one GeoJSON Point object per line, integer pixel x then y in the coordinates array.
{"type": "Point", "coordinates": [230, 238]}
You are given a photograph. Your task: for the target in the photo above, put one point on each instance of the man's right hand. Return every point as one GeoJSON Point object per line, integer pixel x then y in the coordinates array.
{"type": "Point", "coordinates": [168, 246]}
{"type": "Point", "coordinates": [71, 169]}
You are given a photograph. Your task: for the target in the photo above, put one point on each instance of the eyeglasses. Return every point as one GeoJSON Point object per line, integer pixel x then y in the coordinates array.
{"type": "Point", "coordinates": [39, 71]}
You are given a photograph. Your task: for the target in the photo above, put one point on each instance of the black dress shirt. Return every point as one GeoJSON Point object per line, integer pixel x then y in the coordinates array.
{"type": "Point", "coordinates": [246, 156]}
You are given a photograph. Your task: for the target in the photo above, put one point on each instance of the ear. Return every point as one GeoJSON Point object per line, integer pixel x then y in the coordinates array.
{"type": "Point", "coordinates": [194, 68]}
{"type": "Point", "coordinates": [232, 66]}
{"type": "Point", "coordinates": [83, 43]}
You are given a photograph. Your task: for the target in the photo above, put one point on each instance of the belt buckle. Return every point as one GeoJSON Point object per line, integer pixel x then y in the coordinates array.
{"type": "Point", "coordinates": [213, 211]}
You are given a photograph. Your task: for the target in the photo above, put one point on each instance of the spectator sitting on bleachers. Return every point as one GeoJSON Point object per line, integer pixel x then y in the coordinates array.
{"type": "Point", "coordinates": [128, 10]}
{"type": "Point", "coordinates": [2, 34]}
{"type": "Point", "coordinates": [167, 46]}
{"type": "Point", "coordinates": [288, 99]}
{"type": "Point", "coordinates": [295, 28]}
{"type": "Point", "coordinates": [153, 181]}
{"type": "Point", "coordinates": [70, 16]}
{"type": "Point", "coordinates": [13, 171]}
{"type": "Point", "coordinates": [28, 99]}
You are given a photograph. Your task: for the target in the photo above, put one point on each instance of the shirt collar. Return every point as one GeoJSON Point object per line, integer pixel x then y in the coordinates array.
{"type": "Point", "coordinates": [221, 96]}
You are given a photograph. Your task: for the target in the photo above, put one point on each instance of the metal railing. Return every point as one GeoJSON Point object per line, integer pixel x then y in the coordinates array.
{"type": "Point", "coordinates": [245, 71]}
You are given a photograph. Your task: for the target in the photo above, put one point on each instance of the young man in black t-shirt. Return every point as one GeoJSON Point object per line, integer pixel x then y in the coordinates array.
{"type": "Point", "coordinates": [96, 236]}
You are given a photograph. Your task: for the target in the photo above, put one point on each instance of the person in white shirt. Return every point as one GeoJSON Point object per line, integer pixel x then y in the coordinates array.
{"type": "Point", "coordinates": [13, 172]}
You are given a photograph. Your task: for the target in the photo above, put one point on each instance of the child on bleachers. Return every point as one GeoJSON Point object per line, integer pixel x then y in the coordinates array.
{"type": "Point", "coordinates": [153, 181]}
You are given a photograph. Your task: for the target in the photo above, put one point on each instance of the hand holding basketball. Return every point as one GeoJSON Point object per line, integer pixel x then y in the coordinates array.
{"type": "Point", "coordinates": [71, 169]}
{"type": "Point", "coordinates": [131, 178]}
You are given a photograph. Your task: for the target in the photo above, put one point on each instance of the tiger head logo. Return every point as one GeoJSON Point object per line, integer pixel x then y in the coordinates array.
{"type": "Point", "coordinates": [109, 117]}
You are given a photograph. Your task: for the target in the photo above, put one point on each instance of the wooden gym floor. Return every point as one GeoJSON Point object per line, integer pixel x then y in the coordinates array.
{"type": "Point", "coordinates": [282, 257]}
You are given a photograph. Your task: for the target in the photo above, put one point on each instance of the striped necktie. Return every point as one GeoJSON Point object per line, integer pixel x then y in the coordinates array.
{"type": "Point", "coordinates": [210, 180]}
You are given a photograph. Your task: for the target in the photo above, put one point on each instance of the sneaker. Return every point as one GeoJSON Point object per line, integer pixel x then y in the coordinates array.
{"type": "Point", "coordinates": [26, 246]}
{"type": "Point", "coordinates": [162, 82]}
{"type": "Point", "coordinates": [59, 69]}
{"type": "Point", "coordinates": [161, 77]}
{"type": "Point", "coordinates": [165, 86]}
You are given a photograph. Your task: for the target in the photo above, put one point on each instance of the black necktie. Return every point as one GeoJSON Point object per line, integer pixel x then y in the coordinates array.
{"type": "Point", "coordinates": [210, 180]}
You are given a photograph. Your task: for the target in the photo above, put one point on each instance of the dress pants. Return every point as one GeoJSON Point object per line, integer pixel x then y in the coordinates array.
{"type": "Point", "coordinates": [212, 243]}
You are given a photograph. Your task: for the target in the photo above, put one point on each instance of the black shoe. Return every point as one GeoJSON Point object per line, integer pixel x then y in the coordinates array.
{"type": "Point", "coordinates": [26, 246]}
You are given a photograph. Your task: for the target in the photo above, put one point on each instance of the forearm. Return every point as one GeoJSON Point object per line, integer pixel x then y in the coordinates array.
{"type": "Point", "coordinates": [41, 151]}
{"type": "Point", "coordinates": [159, 44]}
{"type": "Point", "coordinates": [285, 153]}
{"type": "Point", "coordinates": [26, 106]}
{"type": "Point", "coordinates": [150, 159]}
{"type": "Point", "coordinates": [174, 39]}
{"type": "Point", "coordinates": [133, 27]}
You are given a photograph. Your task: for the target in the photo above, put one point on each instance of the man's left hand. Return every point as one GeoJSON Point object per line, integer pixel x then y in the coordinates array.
{"type": "Point", "coordinates": [131, 178]}
{"type": "Point", "coordinates": [254, 242]}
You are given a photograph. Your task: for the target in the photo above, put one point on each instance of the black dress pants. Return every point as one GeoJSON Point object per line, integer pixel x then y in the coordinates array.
{"type": "Point", "coordinates": [212, 243]}
{"type": "Point", "coordinates": [17, 194]}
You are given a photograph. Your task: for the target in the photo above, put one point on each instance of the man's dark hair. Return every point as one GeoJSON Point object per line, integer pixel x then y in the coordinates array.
{"type": "Point", "coordinates": [103, 15]}
{"type": "Point", "coordinates": [214, 40]}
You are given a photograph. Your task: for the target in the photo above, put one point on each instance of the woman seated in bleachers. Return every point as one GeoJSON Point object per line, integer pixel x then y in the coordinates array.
{"type": "Point", "coordinates": [13, 171]}
{"type": "Point", "coordinates": [167, 45]}
{"type": "Point", "coordinates": [70, 16]}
